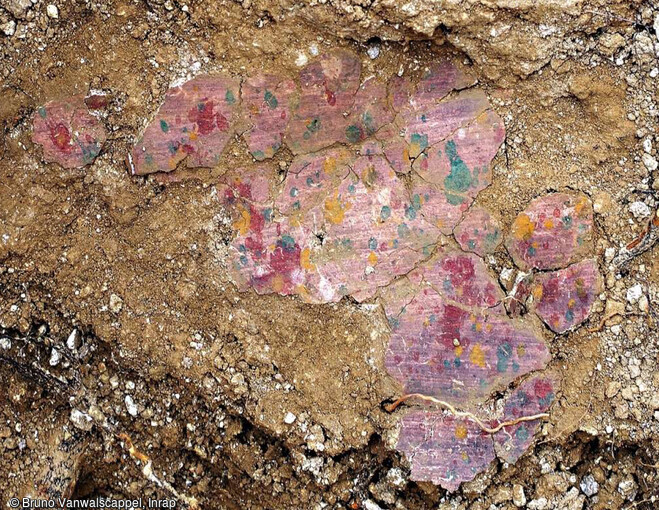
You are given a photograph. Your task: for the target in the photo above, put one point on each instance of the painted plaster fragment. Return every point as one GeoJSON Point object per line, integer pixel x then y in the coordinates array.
{"type": "Point", "coordinates": [554, 231]}
{"type": "Point", "coordinates": [563, 298]}
{"type": "Point", "coordinates": [343, 224]}
{"type": "Point", "coordinates": [533, 396]}
{"type": "Point", "coordinates": [328, 86]}
{"type": "Point", "coordinates": [191, 127]}
{"type": "Point", "coordinates": [445, 342]}
{"type": "Point", "coordinates": [369, 113]}
{"type": "Point", "coordinates": [443, 449]}
{"type": "Point", "coordinates": [478, 232]}
{"type": "Point", "coordinates": [448, 450]}
{"type": "Point", "coordinates": [266, 102]}
{"type": "Point", "coordinates": [68, 133]}
{"type": "Point", "coordinates": [435, 84]}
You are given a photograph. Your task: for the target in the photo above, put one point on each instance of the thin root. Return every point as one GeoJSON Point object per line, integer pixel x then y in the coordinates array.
{"type": "Point", "coordinates": [147, 471]}
{"type": "Point", "coordinates": [463, 414]}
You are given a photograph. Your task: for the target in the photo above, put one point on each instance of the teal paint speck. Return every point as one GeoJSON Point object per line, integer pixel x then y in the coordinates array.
{"type": "Point", "coordinates": [459, 179]}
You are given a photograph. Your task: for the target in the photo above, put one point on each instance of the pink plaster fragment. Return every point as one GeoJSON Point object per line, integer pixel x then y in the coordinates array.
{"type": "Point", "coordinates": [192, 126]}
{"type": "Point", "coordinates": [478, 232]}
{"type": "Point", "coordinates": [444, 341]}
{"type": "Point", "coordinates": [68, 133]}
{"type": "Point", "coordinates": [533, 396]}
{"type": "Point", "coordinates": [441, 209]}
{"type": "Point", "coordinates": [346, 227]}
{"type": "Point", "coordinates": [443, 449]}
{"type": "Point", "coordinates": [328, 86]}
{"type": "Point", "coordinates": [369, 113]}
{"type": "Point", "coordinates": [267, 101]}
{"type": "Point", "coordinates": [563, 298]}
{"type": "Point", "coordinates": [428, 123]}
{"type": "Point", "coordinates": [554, 231]}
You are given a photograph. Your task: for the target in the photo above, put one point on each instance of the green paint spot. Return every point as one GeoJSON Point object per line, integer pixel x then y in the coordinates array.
{"type": "Point", "coordinates": [420, 140]}
{"type": "Point", "coordinates": [492, 238]}
{"type": "Point", "coordinates": [271, 100]}
{"type": "Point", "coordinates": [353, 133]}
{"type": "Point", "coordinates": [504, 353]}
{"type": "Point", "coordinates": [403, 230]}
{"type": "Point", "coordinates": [459, 180]}
{"type": "Point", "coordinates": [287, 242]}
{"type": "Point", "coordinates": [42, 112]}
{"type": "Point", "coordinates": [522, 433]}
{"type": "Point", "coordinates": [410, 212]}
{"type": "Point", "coordinates": [314, 125]}
{"type": "Point", "coordinates": [372, 243]}
{"type": "Point", "coordinates": [385, 212]}
{"type": "Point", "coordinates": [259, 155]}
{"type": "Point", "coordinates": [367, 119]}
{"type": "Point", "coordinates": [164, 126]}
{"type": "Point", "coordinates": [294, 192]}
{"type": "Point", "coordinates": [454, 199]}
{"type": "Point", "coordinates": [229, 97]}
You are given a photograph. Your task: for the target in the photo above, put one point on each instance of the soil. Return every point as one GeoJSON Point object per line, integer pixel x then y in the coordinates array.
{"type": "Point", "coordinates": [124, 277]}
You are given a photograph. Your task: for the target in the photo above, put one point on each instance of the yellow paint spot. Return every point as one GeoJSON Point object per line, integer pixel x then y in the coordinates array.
{"type": "Point", "coordinates": [523, 227]}
{"type": "Point", "coordinates": [302, 291]}
{"type": "Point", "coordinates": [580, 205]}
{"type": "Point", "coordinates": [406, 154]}
{"type": "Point", "coordinates": [461, 432]}
{"type": "Point", "coordinates": [479, 327]}
{"type": "Point", "coordinates": [243, 222]}
{"type": "Point", "coordinates": [477, 356]}
{"type": "Point", "coordinates": [193, 136]}
{"type": "Point", "coordinates": [571, 303]}
{"type": "Point", "coordinates": [305, 260]}
{"type": "Point", "coordinates": [465, 457]}
{"type": "Point", "coordinates": [521, 351]}
{"type": "Point", "coordinates": [549, 224]}
{"type": "Point", "coordinates": [458, 351]}
{"type": "Point", "coordinates": [488, 328]}
{"type": "Point", "coordinates": [334, 211]}
{"type": "Point", "coordinates": [329, 165]}
{"type": "Point", "coordinates": [372, 258]}
{"type": "Point", "coordinates": [537, 292]}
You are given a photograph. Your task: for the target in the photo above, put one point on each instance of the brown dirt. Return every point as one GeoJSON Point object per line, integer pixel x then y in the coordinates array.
{"type": "Point", "coordinates": [138, 266]}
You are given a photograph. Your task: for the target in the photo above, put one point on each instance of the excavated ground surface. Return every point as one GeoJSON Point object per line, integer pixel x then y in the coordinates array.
{"type": "Point", "coordinates": [204, 378]}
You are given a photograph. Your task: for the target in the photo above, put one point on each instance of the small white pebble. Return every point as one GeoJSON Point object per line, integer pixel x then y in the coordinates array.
{"type": "Point", "coordinates": [640, 210]}
{"type": "Point", "coordinates": [55, 358]}
{"type": "Point", "coordinates": [373, 51]}
{"type": "Point", "coordinates": [52, 11]}
{"type": "Point", "coordinates": [634, 293]}
{"type": "Point", "coordinates": [131, 407]}
{"type": "Point", "coordinates": [301, 59]}
{"type": "Point", "coordinates": [289, 418]}
{"type": "Point", "coordinates": [71, 341]}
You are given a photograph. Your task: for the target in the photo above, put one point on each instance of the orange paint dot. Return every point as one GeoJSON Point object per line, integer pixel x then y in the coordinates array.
{"type": "Point", "coordinates": [523, 227]}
